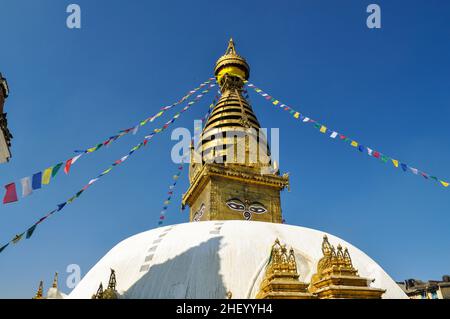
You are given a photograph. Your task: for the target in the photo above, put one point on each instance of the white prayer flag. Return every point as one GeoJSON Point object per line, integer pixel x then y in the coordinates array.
{"type": "Point", "coordinates": [75, 159]}
{"type": "Point", "coordinates": [369, 151]}
{"type": "Point", "coordinates": [26, 186]}
{"type": "Point", "coordinates": [135, 130]}
{"type": "Point", "coordinates": [306, 119]}
{"type": "Point", "coordinates": [92, 181]}
{"type": "Point", "coordinates": [333, 135]}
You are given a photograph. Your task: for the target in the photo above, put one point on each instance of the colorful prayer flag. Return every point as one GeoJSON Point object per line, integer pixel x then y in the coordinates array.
{"type": "Point", "coordinates": [333, 135]}
{"type": "Point", "coordinates": [395, 162]}
{"type": "Point", "coordinates": [26, 186]}
{"type": "Point", "coordinates": [67, 166]}
{"type": "Point", "coordinates": [56, 169]}
{"type": "Point", "coordinates": [445, 184]}
{"type": "Point", "coordinates": [30, 231]}
{"type": "Point", "coordinates": [37, 181]}
{"type": "Point", "coordinates": [3, 248]}
{"type": "Point", "coordinates": [17, 238]}
{"type": "Point", "coordinates": [323, 129]}
{"type": "Point", "coordinates": [10, 195]}
{"type": "Point", "coordinates": [354, 144]}
{"type": "Point", "coordinates": [46, 176]}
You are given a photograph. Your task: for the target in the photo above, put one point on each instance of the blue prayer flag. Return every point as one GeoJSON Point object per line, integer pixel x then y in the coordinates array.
{"type": "Point", "coordinates": [37, 180]}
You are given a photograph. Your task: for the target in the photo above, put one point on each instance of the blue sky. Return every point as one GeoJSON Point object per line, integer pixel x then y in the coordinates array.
{"type": "Point", "coordinates": [71, 89]}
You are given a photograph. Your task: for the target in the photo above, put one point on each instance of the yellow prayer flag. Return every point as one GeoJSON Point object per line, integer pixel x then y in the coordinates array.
{"type": "Point", "coordinates": [445, 184]}
{"type": "Point", "coordinates": [395, 162]}
{"type": "Point", "coordinates": [354, 144]}
{"type": "Point", "coordinates": [296, 115]}
{"type": "Point", "coordinates": [323, 129]}
{"type": "Point", "coordinates": [92, 149]}
{"type": "Point", "coordinates": [276, 102]}
{"type": "Point", "coordinates": [46, 176]}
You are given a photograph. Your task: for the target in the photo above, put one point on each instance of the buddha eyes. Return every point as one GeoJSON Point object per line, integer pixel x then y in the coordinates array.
{"type": "Point", "coordinates": [257, 209]}
{"type": "Point", "coordinates": [236, 206]}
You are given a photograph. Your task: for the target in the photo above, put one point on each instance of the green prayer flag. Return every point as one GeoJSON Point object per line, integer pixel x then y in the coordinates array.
{"type": "Point", "coordinates": [56, 169]}
{"type": "Point", "coordinates": [71, 199]}
{"type": "Point", "coordinates": [79, 193]}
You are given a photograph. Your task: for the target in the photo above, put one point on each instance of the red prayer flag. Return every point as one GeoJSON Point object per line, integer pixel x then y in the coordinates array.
{"type": "Point", "coordinates": [67, 167]}
{"type": "Point", "coordinates": [162, 217]}
{"type": "Point", "coordinates": [11, 194]}
{"type": "Point", "coordinates": [376, 154]}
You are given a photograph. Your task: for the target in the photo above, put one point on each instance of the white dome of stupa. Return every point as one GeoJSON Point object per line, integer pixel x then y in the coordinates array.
{"type": "Point", "coordinates": [212, 258]}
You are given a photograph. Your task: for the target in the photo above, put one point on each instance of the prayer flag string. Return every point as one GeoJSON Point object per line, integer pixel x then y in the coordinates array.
{"type": "Point", "coordinates": [37, 180]}
{"type": "Point", "coordinates": [336, 135]}
{"type": "Point", "coordinates": [166, 203]}
{"type": "Point", "coordinates": [29, 232]}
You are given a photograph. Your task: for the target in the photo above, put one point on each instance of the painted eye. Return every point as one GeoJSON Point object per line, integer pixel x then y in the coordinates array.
{"type": "Point", "coordinates": [257, 209]}
{"type": "Point", "coordinates": [235, 206]}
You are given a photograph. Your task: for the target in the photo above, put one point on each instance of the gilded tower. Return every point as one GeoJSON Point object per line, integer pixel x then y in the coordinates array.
{"type": "Point", "coordinates": [231, 173]}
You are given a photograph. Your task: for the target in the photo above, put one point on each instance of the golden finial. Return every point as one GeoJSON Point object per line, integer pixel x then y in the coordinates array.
{"type": "Point", "coordinates": [39, 293]}
{"type": "Point", "coordinates": [231, 49]}
{"type": "Point", "coordinates": [229, 295]}
{"type": "Point", "coordinates": [347, 259]}
{"type": "Point", "coordinates": [326, 246]}
{"type": "Point", "coordinates": [55, 280]}
{"type": "Point", "coordinates": [112, 280]}
{"type": "Point", "coordinates": [99, 293]}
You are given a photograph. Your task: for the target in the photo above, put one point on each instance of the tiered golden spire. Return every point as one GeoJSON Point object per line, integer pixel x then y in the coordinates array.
{"type": "Point", "coordinates": [281, 279]}
{"type": "Point", "coordinates": [40, 291]}
{"type": "Point", "coordinates": [232, 115]}
{"type": "Point", "coordinates": [336, 277]}
{"type": "Point", "coordinates": [231, 174]}
{"type": "Point", "coordinates": [110, 292]}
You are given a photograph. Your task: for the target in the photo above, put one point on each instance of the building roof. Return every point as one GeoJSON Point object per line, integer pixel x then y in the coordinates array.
{"type": "Point", "coordinates": [212, 258]}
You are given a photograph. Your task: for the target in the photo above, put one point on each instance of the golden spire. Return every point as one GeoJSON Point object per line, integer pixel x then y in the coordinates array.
{"type": "Point", "coordinates": [336, 277]}
{"type": "Point", "coordinates": [99, 293]}
{"type": "Point", "coordinates": [55, 281]}
{"type": "Point", "coordinates": [232, 115]}
{"type": "Point", "coordinates": [112, 280]}
{"type": "Point", "coordinates": [231, 49]}
{"type": "Point", "coordinates": [231, 176]}
{"type": "Point", "coordinates": [39, 293]}
{"type": "Point", "coordinates": [231, 63]}
{"type": "Point", "coordinates": [281, 279]}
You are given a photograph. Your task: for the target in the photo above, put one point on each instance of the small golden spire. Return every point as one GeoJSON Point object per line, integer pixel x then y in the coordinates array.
{"type": "Point", "coordinates": [99, 293]}
{"type": "Point", "coordinates": [229, 295]}
{"type": "Point", "coordinates": [112, 280]}
{"type": "Point", "coordinates": [55, 281]}
{"type": "Point", "coordinates": [39, 293]}
{"type": "Point", "coordinates": [231, 49]}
